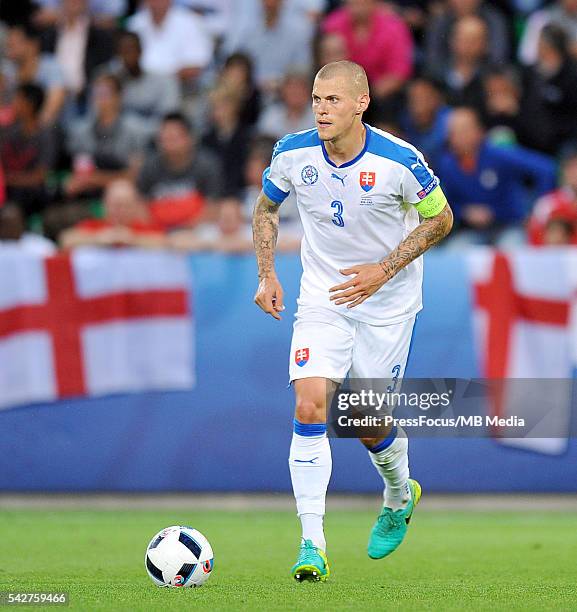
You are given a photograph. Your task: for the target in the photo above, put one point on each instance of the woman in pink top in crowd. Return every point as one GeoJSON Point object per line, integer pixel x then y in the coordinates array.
{"type": "Point", "coordinates": [378, 39]}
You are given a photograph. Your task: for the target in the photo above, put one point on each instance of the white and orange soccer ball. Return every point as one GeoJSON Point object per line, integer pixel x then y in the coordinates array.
{"type": "Point", "coordinates": [179, 556]}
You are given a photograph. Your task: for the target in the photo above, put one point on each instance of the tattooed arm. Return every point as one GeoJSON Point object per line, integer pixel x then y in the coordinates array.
{"type": "Point", "coordinates": [371, 277]}
{"type": "Point", "coordinates": [428, 233]}
{"type": "Point", "coordinates": [269, 295]}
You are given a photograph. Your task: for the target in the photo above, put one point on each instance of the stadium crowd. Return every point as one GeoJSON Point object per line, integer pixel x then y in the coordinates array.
{"type": "Point", "coordinates": [150, 123]}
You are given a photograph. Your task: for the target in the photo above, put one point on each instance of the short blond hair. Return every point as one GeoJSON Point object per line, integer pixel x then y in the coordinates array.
{"type": "Point", "coordinates": [351, 71]}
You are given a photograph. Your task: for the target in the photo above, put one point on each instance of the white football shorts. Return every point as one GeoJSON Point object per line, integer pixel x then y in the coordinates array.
{"type": "Point", "coordinates": [329, 345]}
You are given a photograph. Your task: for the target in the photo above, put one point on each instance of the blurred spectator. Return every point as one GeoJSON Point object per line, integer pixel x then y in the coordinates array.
{"type": "Point", "coordinates": [242, 16]}
{"type": "Point", "coordinates": [554, 217]}
{"type": "Point", "coordinates": [559, 232]}
{"type": "Point", "coordinates": [180, 176]}
{"type": "Point", "coordinates": [389, 126]}
{"type": "Point", "coordinates": [463, 74]}
{"type": "Point", "coordinates": [259, 155]}
{"type": "Point", "coordinates": [377, 39]}
{"type": "Point", "coordinates": [293, 112]}
{"type": "Point", "coordinates": [3, 35]}
{"type": "Point", "coordinates": [146, 94]}
{"type": "Point", "coordinates": [502, 107]}
{"type": "Point", "coordinates": [79, 46]}
{"type": "Point", "coordinates": [106, 145]}
{"type": "Point", "coordinates": [485, 184]}
{"type": "Point", "coordinates": [13, 233]}
{"type": "Point", "coordinates": [310, 9]}
{"type": "Point", "coordinates": [2, 187]}
{"type": "Point", "coordinates": [415, 13]}
{"type": "Point", "coordinates": [216, 14]}
{"type": "Point", "coordinates": [329, 47]}
{"type": "Point", "coordinates": [276, 44]}
{"type": "Point", "coordinates": [290, 228]}
{"type": "Point", "coordinates": [228, 234]}
{"type": "Point", "coordinates": [126, 222]}
{"type": "Point", "coordinates": [174, 39]}
{"type": "Point", "coordinates": [62, 214]}
{"type": "Point", "coordinates": [15, 11]}
{"type": "Point", "coordinates": [439, 31]}
{"type": "Point", "coordinates": [424, 122]}
{"type": "Point", "coordinates": [550, 99]}
{"type": "Point", "coordinates": [562, 13]}
{"type": "Point", "coordinates": [27, 151]}
{"type": "Point", "coordinates": [105, 13]}
{"type": "Point", "coordinates": [238, 74]}
{"type": "Point", "coordinates": [522, 8]}
{"type": "Point", "coordinates": [27, 65]}
{"type": "Point", "coordinates": [6, 112]}
{"type": "Point", "coordinates": [227, 138]}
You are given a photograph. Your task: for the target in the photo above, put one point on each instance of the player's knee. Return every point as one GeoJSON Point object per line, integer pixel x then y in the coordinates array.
{"type": "Point", "coordinates": [309, 411]}
{"type": "Point", "coordinates": [370, 442]}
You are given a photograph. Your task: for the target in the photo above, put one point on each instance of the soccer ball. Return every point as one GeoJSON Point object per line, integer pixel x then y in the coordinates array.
{"type": "Point", "coordinates": [179, 557]}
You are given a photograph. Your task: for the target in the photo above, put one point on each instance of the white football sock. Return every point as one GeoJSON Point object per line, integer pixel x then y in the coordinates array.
{"type": "Point", "coordinates": [391, 459]}
{"type": "Point", "coordinates": [312, 526]}
{"type": "Point", "coordinates": [310, 466]}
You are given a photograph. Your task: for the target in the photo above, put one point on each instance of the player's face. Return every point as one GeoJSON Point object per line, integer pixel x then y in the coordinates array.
{"type": "Point", "coordinates": [335, 107]}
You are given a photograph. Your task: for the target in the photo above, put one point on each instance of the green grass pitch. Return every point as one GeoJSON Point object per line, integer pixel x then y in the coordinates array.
{"type": "Point", "coordinates": [449, 561]}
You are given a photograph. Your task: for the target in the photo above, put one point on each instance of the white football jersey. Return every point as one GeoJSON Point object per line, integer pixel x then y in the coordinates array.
{"type": "Point", "coordinates": [353, 214]}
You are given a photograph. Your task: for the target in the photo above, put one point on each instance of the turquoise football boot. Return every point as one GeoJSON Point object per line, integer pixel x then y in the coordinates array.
{"type": "Point", "coordinates": [312, 564]}
{"type": "Point", "coordinates": [391, 526]}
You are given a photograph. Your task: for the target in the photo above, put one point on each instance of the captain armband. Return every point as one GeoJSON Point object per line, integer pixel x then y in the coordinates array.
{"type": "Point", "coordinates": [433, 204]}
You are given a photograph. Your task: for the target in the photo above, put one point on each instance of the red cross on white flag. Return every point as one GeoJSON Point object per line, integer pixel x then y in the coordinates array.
{"type": "Point", "coordinates": [522, 322]}
{"type": "Point", "coordinates": [93, 323]}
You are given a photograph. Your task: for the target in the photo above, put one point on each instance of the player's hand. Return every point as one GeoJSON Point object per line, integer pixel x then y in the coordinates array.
{"type": "Point", "coordinates": [368, 279]}
{"type": "Point", "coordinates": [269, 296]}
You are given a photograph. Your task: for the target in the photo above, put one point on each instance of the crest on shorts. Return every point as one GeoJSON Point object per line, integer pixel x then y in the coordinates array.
{"type": "Point", "coordinates": [301, 357]}
{"type": "Point", "coordinates": [367, 180]}
{"type": "Point", "coordinates": [309, 175]}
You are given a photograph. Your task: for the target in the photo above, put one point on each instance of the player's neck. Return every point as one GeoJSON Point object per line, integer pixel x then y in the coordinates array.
{"type": "Point", "coordinates": [348, 146]}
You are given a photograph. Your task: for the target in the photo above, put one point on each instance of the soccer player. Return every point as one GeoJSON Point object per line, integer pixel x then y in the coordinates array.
{"type": "Point", "coordinates": [370, 207]}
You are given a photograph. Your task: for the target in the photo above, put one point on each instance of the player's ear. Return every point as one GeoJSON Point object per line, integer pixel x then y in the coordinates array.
{"type": "Point", "coordinates": [362, 103]}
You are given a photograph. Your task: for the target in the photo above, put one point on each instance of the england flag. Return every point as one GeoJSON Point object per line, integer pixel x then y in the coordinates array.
{"type": "Point", "coordinates": [92, 323]}
{"type": "Point", "coordinates": [526, 337]}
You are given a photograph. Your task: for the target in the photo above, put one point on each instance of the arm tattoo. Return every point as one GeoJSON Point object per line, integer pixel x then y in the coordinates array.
{"type": "Point", "coordinates": [264, 233]}
{"type": "Point", "coordinates": [429, 232]}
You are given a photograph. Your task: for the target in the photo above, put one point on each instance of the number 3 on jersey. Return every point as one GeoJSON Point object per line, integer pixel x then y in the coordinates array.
{"type": "Point", "coordinates": [338, 216]}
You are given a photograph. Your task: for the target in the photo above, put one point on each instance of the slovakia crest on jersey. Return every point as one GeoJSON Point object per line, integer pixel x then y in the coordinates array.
{"type": "Point", "coordinates": [301, 357]}
{"type": "Point", "coordinates": [367, 180]}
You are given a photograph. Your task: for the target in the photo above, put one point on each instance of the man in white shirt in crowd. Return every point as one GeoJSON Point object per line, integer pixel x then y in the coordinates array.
{"type": "Point", "coordinates": [174, 39]}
